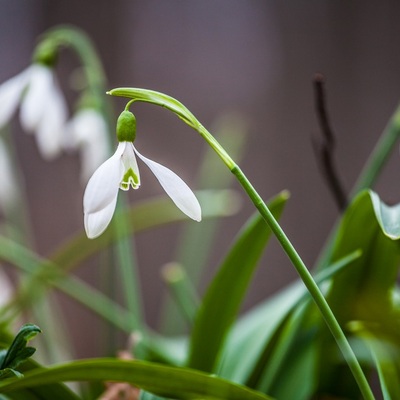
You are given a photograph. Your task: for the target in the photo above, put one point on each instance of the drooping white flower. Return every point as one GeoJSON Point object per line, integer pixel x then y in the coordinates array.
{"type": "Point", "coordinates": [87, 133]}
{"type": "Point", "coordinates": [43, 108]}
{"type": "Point", "coordinates": [121, 171]}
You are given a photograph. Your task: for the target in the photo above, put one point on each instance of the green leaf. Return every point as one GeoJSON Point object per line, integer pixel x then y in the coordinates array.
{"type": "Point", "coordinates": [384, 354]}
{"type": "Point", "coordinates": [366, 289]}
{"type": "Point", "coordinates": [172, 382]}
{"type": "Point", "coordinates": [386, 357]}
{"type": "Point", "coordinates": [18, 352]}
{"type": "Point", "coordinates": [223, 298]}
{"type": "Point", "coordinates": [253, 343]}
{"type": "Point", "coordinates": [388, 217]}
{"type": "Point", "coordinates": [364, 292]}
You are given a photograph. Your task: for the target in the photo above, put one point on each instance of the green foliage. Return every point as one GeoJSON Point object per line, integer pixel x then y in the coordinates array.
{"type": "Point", "coordinates": [224, 296]}
{"type": "Point", "coordinates": [172, 382]}
{"type": "Point", "coordinates": [18, 352]}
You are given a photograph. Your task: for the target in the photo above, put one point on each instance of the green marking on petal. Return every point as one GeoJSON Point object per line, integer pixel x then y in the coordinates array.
{"type": "Point", "coordinates": [130, 178]}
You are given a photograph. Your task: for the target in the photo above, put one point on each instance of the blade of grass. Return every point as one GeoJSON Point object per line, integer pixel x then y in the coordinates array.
{"type": "Point", "coordinates": [173, 382]}
{"type": "Point", "coordinates": [181, 290]}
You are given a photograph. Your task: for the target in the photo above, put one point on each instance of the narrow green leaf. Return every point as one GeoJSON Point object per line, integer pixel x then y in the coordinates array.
{"type": "Point", "coordinates": [51, 391]}
{"type": "Point", "coordinates": [172, 382]}
{"type": "Point", "coordinates": [251, 345]}
{"type": "Point", "coordinates": [181, 290]}
{"type": "Point", "coordinates": [366, 289]}
{"type": "Point", "coordinates": [18, 352]}
{"type": "Point", "coordinates": [223, 298]}
{"type": "Point", "coordinates": [386, 357]}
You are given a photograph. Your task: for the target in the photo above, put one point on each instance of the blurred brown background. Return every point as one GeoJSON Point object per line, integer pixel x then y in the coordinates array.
{"type": "Point", "coordinates": [250, 56]}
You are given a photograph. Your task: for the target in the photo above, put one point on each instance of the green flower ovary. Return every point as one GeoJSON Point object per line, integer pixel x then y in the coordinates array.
{"type": "Point", "coordinates": [126, 127]}
{"type": "Point", "coordinates": [130, 178]}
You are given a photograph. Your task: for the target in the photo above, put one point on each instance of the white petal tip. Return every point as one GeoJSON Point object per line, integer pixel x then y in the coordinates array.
{"type": "Point", "coordinates": [196, 218]}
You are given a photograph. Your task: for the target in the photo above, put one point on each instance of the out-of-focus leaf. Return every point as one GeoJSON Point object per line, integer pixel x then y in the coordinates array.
{"type": "Point", "coordinates": [387, 216]}
{"type": "Point", "coordinates": [223, 298]}
{"type": "Point", "coordinates": [366, 288]}
{"type": "Point", "coordinates": [52, 391]}
{"type": "Point", "coordinates": [18, 352]}
{"type": "Point", "coordinates": [386, 357]}
{"type": "Point", "coordinates": [230, 131]}
{"type": "Point", "coordinates": [252, 343]}
{"type": "Point", "coordinates": [172, 382]}
{"type": "Point", "coordinates": [290, 371]}
{"type": "Point", "coordinates": [364, 292]}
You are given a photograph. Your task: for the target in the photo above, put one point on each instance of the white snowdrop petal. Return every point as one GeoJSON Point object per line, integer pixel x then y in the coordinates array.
{"type": "Point", "coordinates": [8, 192]}
{"type": "Point", "coordinates": [175, 187]}
{"type": "Point", "coordinates": [102, 188]}
{"type": "Point", "coordinates": [10, 95]}
{"type": "Point", "coordinates": [97, 222]}
{"type": "Point", "coordinates": [87, 132]}
{"type": "Point", "coordinates": [50, 129]}
{"type": "Point", "coordinates": [33, 105]}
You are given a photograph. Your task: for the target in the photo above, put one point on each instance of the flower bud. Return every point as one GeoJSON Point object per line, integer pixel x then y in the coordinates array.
{"type": "Point", "coordinates": [126, 127]}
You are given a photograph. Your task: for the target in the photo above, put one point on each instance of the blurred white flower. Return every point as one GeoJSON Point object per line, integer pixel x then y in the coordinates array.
{"type": "Point", "coordinates": [8, 190]}
{"type": "Point", "coordinates": [121, 171]}
{"type": "Point", "coordinates": [43, 108]}
{"type": "Point", "coordinates": [87, 133]}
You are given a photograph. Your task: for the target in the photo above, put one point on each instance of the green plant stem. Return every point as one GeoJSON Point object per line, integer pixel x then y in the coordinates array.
{"type": "Point", "coordinates": [309, 282]}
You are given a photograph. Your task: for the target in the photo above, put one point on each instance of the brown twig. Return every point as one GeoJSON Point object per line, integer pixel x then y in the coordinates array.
{"type": "Point", "coordinates": [324, 146]}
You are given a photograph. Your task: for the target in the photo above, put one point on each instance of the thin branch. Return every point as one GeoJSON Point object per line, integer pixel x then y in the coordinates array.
{"type": "Point", "coordinates": [324, 146]}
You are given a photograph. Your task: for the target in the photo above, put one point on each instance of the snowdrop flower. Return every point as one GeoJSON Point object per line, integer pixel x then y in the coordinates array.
{"type": "Point", "coordinates": [87, 132]}
{"type": "Point", "coordinates": [43, 108]}
{"type": "Point", "coordinates": [120, 172]}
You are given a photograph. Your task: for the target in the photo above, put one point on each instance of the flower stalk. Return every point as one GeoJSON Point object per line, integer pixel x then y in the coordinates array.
{"type": "Point", "coordinates": [183, 113]}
